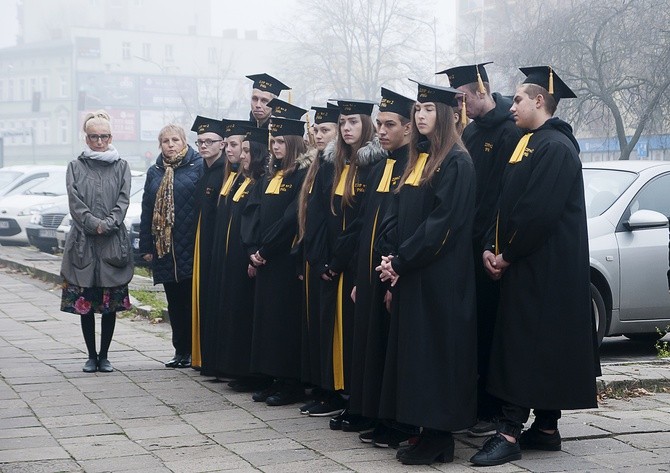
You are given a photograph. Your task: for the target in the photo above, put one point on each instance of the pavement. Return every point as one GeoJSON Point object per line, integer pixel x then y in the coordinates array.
{"type": "Point", "coordinates": [144, 417]}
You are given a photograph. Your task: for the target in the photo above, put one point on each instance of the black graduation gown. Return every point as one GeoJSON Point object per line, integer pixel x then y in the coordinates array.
{"type": "Point", "coordinates": [269, 225]}
{"type": "Point", "coordinates": [371, 319]}
{"type": "Point", "coordinates": [490, 141]}
{"type": "Point", "coordinates": [207, 192]}
{"type": "Point", "coordinates": [544, 354]}
{"type": "Point", "coordinates": [430, 370]}
{"type": "Point", "coordinates": [235, 290]}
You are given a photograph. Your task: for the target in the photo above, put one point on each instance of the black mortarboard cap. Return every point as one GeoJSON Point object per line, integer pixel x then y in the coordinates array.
{"type": "Point", "coordinates": [207, 125]}
{"type": "Point", "coordinates": [435, 93]}
{"type": "Point", "coordinates": [396, 103]}
{"type": "Point", "coordinates": [328, 114]}
{"type": "Point", "coordinates": [354, 107]}
{"type": "Point", "coordinates": [286, 127]}
{"type": "Point", "coordinates": [284, 109]}
{"type": "Point", "coordinates": [267, 83]}
{"type": "Point", "coordinates": [258, 135]}
{"type": "Point", "coordinates": [462, 75]}
{"type": "Point", "coordinates": [234, 127]}
{"type": "Point", "coordinates": [546, 77]}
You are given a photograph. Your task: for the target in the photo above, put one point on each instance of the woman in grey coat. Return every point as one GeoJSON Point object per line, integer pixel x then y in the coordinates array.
{"type": "Point", "coordinates": [97, 264]}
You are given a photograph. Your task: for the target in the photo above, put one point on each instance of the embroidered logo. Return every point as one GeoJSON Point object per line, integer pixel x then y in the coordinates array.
{"type": "Point", "coordinates": [488, 147]}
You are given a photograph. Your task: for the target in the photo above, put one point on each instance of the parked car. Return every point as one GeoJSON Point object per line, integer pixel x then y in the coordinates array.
{"type": "Point", "coordinates": [12, 177]}
{"type": "Point", "coordinates": [19, 206]}
{"type": "Point", "coordinates": [41, 230]}
{"type": "Point", "coordinates": [628, 209]}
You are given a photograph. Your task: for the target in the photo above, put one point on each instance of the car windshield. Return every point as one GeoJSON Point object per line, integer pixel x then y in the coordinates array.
{"type": "Point", "coordinates": [53, 185]}
{"type": "Point", "coordinates": [7, 177]}
{"type": "Point", "coordinates": [602, 187]}
{"type": "Point", "coordinates": [137, 188]}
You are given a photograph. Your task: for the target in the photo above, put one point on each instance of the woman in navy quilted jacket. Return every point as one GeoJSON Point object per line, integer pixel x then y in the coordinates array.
{"type": "Point", "coordinates": [167, 231]}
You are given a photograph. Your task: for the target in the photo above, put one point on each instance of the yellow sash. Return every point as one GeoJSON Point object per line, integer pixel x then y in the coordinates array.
{"type": "Point", "coordinates": [225, 188]}
{"type": "Point", "coordinates": [196, 359]}
{"type": "Point", "coordinates": [338, 342]}
{"type": "Point", "coordinates": [275, 183]}
{"type": "Point", "coordinates": [385, 183]}
{"type": "Point", "coordinates": [517, 155]}
{"type": "Point", "coordinates": [240, 191]}
{"type": "Point", "coordinates": [339, 190]}
{"type": "Point", "coordinates": [414, 177]}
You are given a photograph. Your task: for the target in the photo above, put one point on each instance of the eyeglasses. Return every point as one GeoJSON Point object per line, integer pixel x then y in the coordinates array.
{"type": "Point", "coordinates": [206, 142]}
{"type": "Point", "coordinates": [104, 138]}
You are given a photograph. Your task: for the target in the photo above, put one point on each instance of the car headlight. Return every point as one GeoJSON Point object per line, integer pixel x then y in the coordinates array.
{"type": "Point", "coordinates": [34, 209]}
{"type": "Point", "coordinates": [36, 219]}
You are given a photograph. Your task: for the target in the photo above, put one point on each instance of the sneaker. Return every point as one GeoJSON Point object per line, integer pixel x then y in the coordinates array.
{"type": "Point", "coordinates": [392, 438]}
{"type": "Point", "coordinates": [483, 428]}
{"type": "Point", "coordinates": [535, 439]}
{"type": "Point", "coordinates": [264, 394]}
{"type": "Point", "coordinates": [285, 396]}
{"type": "Point", "coordinates": [369, 436]}
{"type": "Point", "coordinates": [496, 451]}
{"type": "Point", "coordinates": [304, 409]}
{"type": "Point", "coordinates": [330, 407]}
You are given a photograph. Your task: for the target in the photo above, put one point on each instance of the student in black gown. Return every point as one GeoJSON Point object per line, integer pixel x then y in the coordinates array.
{"type": "Point", "coordinates": [269, 228]}
{"type": "Point", "coordinates": [265, 88]}
{"type": "Point", "coordinates": [544, 354]}
{"type": "Point", "coordinates": [430, 374]}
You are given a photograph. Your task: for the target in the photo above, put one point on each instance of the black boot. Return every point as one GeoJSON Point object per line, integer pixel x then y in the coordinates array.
{"type": "Point", "coordinates": [433, 445]}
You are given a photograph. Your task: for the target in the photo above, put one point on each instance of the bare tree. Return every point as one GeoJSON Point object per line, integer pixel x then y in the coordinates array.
{"type": "Point", "coordinates": [615, 54]}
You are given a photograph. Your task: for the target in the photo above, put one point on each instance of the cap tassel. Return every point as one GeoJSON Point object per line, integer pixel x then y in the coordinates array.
{"type": "Point", "coordinates": [551, 81]}
{"type": "Point", "coordinates": [480, 82]}
{"type": "Point", "coordinates": [464, 115]}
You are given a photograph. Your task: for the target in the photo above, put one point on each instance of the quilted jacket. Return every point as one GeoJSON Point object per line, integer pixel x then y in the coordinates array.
{"type": "Point", "coordinates": [178, 264]}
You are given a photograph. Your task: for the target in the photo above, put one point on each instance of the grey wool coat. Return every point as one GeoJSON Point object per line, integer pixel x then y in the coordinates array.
{"type": "Point", "coordinates": [98, 193]}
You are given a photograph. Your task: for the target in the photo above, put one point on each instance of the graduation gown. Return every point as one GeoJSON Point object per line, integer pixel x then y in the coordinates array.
{"type": "Point", "coordinates": [371, 319]}
{"type": "Point", "coordinates": [234, 288]}
{"type": "Point", "coordinates": [207, 192]}
{"type": "Point", "coordinates": [269, 226]}
{"type": "Point", "coordinates": [430, 370]}
{"type": "Point", "coordinates": [336, 305]}
{"type": "Point", "coordinates": [544, 353]}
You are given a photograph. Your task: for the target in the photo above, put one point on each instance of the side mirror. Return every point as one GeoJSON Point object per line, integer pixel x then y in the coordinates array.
{"type": "Point", "coordinates": [646, 219]}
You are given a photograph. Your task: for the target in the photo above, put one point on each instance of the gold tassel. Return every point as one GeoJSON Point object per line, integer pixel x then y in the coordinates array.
{"type": "Point", "coordinates": [480, 82]}
{"type": "Point", "coordinates": [551, 81]}
{"type": "Point", "coordinates": [464, 114]}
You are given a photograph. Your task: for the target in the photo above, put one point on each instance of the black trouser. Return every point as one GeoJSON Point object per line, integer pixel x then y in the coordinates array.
{"type": "Point", "coordinates": [513, 418]}
{"type": "Point", "coordinates": [178, 296]}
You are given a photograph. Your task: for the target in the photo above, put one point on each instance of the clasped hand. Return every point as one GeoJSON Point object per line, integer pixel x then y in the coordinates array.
{"type": "Point", "coordinates": [386, 272]}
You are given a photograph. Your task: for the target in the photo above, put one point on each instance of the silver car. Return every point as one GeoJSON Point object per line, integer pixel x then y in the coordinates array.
{"type": "Point", "coordinates": [628, 207]}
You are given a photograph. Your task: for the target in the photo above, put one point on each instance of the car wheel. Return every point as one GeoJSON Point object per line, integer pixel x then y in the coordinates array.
{"type": "Point", "coordinates": [646, 337]}
{"type": "Point", "coordinates": [599, 313]}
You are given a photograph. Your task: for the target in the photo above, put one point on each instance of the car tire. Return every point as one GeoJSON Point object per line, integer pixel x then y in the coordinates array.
{"type": "Point", "coordinates": [644, 337]}
{"type": "Point", "coordinates": [599, 313]}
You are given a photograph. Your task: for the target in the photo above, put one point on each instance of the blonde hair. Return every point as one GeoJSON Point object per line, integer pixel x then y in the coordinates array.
{"type": "Point", "coordinates": [171, 128]}
{"type": "Point", "coordinates": [99, 117]}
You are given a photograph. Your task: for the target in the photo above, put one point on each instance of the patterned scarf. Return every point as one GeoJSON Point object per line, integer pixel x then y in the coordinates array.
{"type": "Point", "coordinates": [163, 220]}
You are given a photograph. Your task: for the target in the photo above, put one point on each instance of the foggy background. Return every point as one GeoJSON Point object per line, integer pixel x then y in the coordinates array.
{"type": "Point", "coordinates": [152, 62]}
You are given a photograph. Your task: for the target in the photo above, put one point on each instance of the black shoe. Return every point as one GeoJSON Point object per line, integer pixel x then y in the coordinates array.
{"type": "Point", "coordinates": [304, 409]}
{"type": "Point", "coordinates": [104, 366]}
{"type": "Point", "coordinates": [185, 362]}
{"type": "Point", "coordinates": [393, 438]}
{"type": "Point", "coordinates": [433, 446]}
{"type": "Point", "coordinates": [535, 439]}
{"type": "Point", "coordinates": [287, 395]}
{"type": "Point", "coordinates": [357, 423]}
{"type": "Point", "coordinates": [91, 366]}
{"type": "Point", "coordinates": [496, 451]}
{"type": "Point", "coordinates": [368, 437]}
{"type": "Point", "coordinates": [333, 406]}
{"type": "Point", "coordinates": [174, 362]}
{"type": "Point", "coordinates": [336, 422]}
{"type": "Point", "coordinates": [264, 394]}
{"type": "Point", "coordinates": [248, 385]}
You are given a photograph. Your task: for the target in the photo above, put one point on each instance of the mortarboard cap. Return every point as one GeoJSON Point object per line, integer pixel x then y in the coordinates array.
{"type": "Point", "coordinates": [354, 107]}
{"type": "Point", "coordinates": [267, 83]}
{"type": "Point", "coordinates": [435, 93]}
{"type": "Point", "coordinates": [286, 127]}
{"type": "Point", "coordinates": [284, 109]}
{"type": "Point", "coordinates": [462, 75]}
{"type": "Point", "coordinates": [544, 76]}
{"type": "Point", "coordinates": [207, 125]}
{"type": "Point", "coordinates": [258, 135]}
{"type": "Point", "coordinates": [234, 127]}
{"type": "Point", "coordinates": [396, 103]}
{"type": "Point", "coordinates": [328, 114]}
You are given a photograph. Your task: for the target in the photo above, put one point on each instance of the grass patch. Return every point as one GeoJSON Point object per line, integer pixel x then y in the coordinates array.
{"type": "Point", "coordinates": [152, 299]}
{"type": "Point", "coordinates": [142, 271]}
{"type": "Point", "coordinates": [662, 348]}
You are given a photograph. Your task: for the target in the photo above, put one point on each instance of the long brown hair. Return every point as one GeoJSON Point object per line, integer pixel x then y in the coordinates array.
{"type": "Point", "coordinates": [307, 184]}
{"type": "Point", "coordinates": [295, 146]}
{"type": "Point", "coordinates": [344, 152]}
{"type": "Point", "coordinates": [445, 136]}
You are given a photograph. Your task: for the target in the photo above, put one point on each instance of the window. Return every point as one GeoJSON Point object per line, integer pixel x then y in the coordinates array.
{"type": "Point", "coordinates": [33, 85]}
{"type": "Point", "coordinates": [63, 86]}
{"type": "Point", "coordinates": [63, 130]}
{"type": "Point", "coordinates": [125, 50]}
{"type": "Point", "coordinates": [146, 50]}
{"type": "Point", "coordinates": [10, 90]}
{"type": "Point", "coordinates": [22, 89]}
{"type": "Point", "coordinates": [45, 87]}
{"type": "Point", "coordinates": [653, 196]}
{"type": "Point", "coordinates": [168, 53]}
{"type": "Point", "coordinates": [45, 131]}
